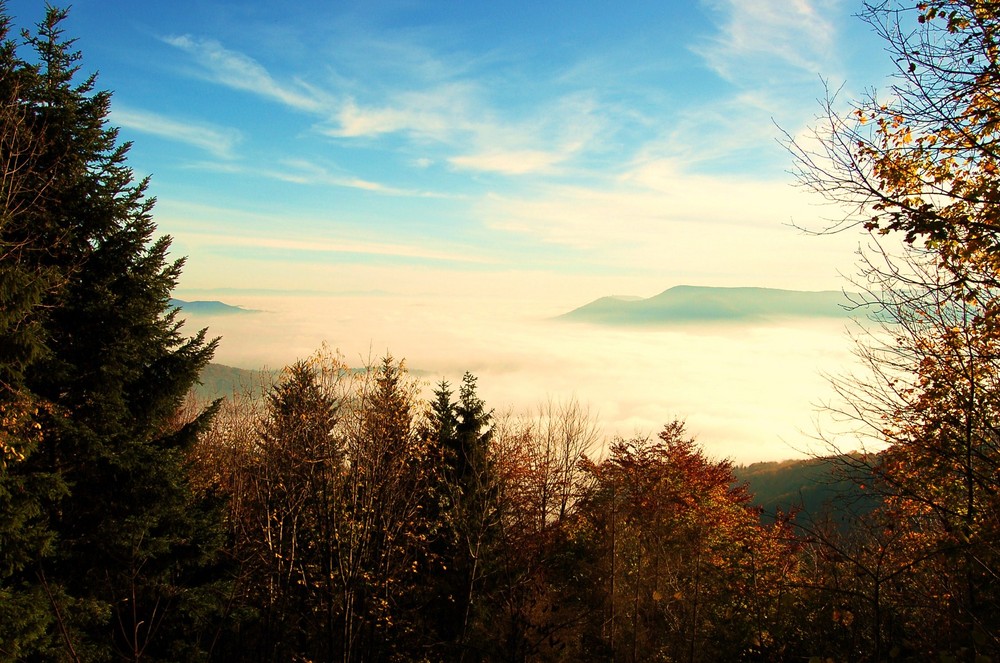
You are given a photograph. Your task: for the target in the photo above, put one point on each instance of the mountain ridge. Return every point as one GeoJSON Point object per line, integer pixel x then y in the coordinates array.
{"type": "Point", "coordinates": [688, 304]}
{"type": "Point", "coordinates": [209, 307]}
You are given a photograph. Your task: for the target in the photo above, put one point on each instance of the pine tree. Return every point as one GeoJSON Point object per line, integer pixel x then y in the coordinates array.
{"type": "Point", "coordinates": [294, 476]}
{"type": "Point", "coordinates": [386, 527]}
{"type": "Point", "coordinates": [460, 429]}
{"type": "Point", "coordinates": [26, 621]}
{"type": "Point", "coordinates": [97, 361]}
{"type": "Point", "coordinates": [442, 415]}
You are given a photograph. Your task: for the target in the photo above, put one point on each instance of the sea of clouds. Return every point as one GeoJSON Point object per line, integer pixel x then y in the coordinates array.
{"type": "Point", "coordinates": [747, 392]}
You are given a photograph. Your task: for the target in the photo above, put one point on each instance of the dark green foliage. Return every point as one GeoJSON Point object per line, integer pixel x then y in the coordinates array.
{"type": "Point", "coordinates": [332, 497]}
{"type": "Point", "coordinates": [114, 555]}
{"type": "Point", "coordinates": [443, 418]}
{"type": "Point", "coordinates": [25, 495]}
{"type": "Point", "coordinates": [813, 488]}
{"type": "Point", "coordinates": [468, 520]}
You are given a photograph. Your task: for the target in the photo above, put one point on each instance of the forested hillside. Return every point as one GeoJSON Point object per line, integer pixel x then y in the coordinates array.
{"type": "Point", "coordinates": [812, 488]}
{"type": "Point", "coordinates": [221, 381]}
{"type": "Point", "coordinates": [330, 513]}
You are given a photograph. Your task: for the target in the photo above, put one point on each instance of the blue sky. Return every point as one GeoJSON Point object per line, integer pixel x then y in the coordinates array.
{"type": "Point", "coordinates": [591, 147]}
{"type": "Point", "coordinates": [436, 179]}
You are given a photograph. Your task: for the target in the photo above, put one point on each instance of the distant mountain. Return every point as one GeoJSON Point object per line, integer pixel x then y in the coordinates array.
{"type": "Point", "coordinates": [209, 307]}
{"type": "Point", "coordinates": [685, 303]}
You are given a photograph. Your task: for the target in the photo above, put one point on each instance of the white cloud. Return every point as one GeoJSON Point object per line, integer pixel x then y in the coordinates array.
{"type": "Point", "coordinates": [218, 141]}
{"type": "Point", "coordinates": [354, 122]}
{"type": "Point", "coordinates": [570, 126]}
{"type": "Point", "coordinates": [762, 39]}
{"type": "Point", "coordinates": [746, 392]}
{"type": "Point", "coordinates": [441, 113]}
{"type": "Point", "coordinates": [458, 116]}
{"type": "Point", "coordinates": [317, 245]}
{"type": "Point", "coordinates": [774, 56]}
{"type": "Point", "coordinates": [455, 117]}
{"type": "Point", "coordinates": [428, 101]}
{"type": "Point", "coordinates": [242, 72]}
{"type": "Point", "coordinates": [301, 171]}
{"type": "Point", "coordinates": [642, 203]}
{"type": "Point", "coordinates": [520, 162]}
{"type": "Point", "coordinates": [738, 230]}
{"type": "Point", "coordinates": [253, 234]}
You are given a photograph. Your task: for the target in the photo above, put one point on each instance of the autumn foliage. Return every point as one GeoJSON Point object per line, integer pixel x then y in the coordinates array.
{"type": "Point", "coordinates": [366, 528]}
{"type": "Point", "coordinates": [346, 515]}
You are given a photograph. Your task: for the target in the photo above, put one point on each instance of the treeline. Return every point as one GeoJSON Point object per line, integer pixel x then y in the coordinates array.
{"type": "Point", "coordinates": [368, 525]}
{"type": "Point", "coordinates": [340, 517]}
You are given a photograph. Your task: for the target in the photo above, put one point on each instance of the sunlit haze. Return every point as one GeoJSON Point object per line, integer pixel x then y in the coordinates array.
{"type": "Point", "coordinates": [439, 180]}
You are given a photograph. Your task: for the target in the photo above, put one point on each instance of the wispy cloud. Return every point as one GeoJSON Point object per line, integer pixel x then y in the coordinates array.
{"type": "Point", "coordinates": [302, 171]}
{"type": "Point", "coordinates": [307, 173]}
{"type": "Point", "coordinates": [771, 36]}
{"type": "Point", "coordinates": [521, 162]}
{"type": "Point", "coordinates": [215, 140]}
{"type": "Point", "coordinates": [658, 215]}
{"type": "Point", "coordinates": [475, 108]}
{"type": "Point", "coordinates": [460, 119]}
{"type": "Point", "coordinates": [738, 130]}
{"type": "Point", "coordinates": [242, 72]}
{"type": "Point", "coordinates": [252, 233]}
{"type": "Point", "coordinates": [441, 113]}
{"type": "Point", "coordinates": [454, 119]}
{"type": "Point", "coordinates": [651, 200]}
{"type": "Point", "coordinates": [427, 100]}
{"type": "Point", "coordinates": [771, 54]}
{"type": "Point", "coordinates": [570, 126]}
{"type": "Point", "coordinates": [450, 113]}
{"type": "Point", "coordinates": [387, 249]}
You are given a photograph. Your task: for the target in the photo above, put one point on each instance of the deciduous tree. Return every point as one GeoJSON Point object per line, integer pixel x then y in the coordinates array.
{"type": "Point", "coordinates": [931, 397]}
{"type": "Point", "coordinates": [922, 158]}
{"type": "Point", "coordinates": [922, 161]}
{"type": "Point", "coordinates": [681, 567]}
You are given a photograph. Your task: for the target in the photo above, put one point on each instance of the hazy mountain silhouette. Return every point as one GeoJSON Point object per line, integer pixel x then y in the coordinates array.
{"type": "Point", "coordinates": [687, 303]}
{"type": "Point", "coordinates": [209, 307]}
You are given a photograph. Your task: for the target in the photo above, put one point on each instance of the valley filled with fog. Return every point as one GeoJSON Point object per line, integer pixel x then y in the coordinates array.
{"type": "Point", "coordinates": [747, 390]}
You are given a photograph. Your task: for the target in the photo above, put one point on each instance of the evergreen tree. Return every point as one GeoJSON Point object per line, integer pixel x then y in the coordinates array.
{"type": "Point", "coordinates": [121, 552]}
{"type": "Point", "coordinates": [472, 438]}
{"type": "Point", "coordinates": [442, 415]}
{"type": "Point", "coordinates": [386, 528]}
{"type": "Point", "coordinates": [293, 491]}
{"type": "Point", "coordinates": [26, 624]}
{"type": "Point", "coordinates": [470, 516]}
